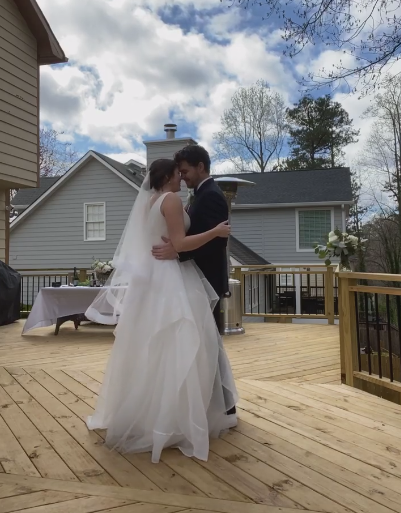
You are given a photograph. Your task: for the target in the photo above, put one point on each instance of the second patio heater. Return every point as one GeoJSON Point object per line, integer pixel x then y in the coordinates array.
{"type": "Point", "coordinates": [232, 303]}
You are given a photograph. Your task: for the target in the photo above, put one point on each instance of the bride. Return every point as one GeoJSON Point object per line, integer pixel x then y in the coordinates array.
{"type": "Point", "coordinates": [165, 379]}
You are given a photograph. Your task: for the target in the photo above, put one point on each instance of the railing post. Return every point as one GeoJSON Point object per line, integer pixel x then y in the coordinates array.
{"type": "Point", "coordinates": [329, 295]}
{"type": "Point", "coordinates": [348, 327]}
{"type": "Point", "coordinates": [238, 276]}
{"type": "Point", "coordinates": [237, 273]}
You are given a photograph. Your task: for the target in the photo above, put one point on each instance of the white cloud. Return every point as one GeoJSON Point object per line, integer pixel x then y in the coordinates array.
{"type": "Point", "coordinates": [355, 108]}
{"type": "Point", "coordinates": [129, 70]}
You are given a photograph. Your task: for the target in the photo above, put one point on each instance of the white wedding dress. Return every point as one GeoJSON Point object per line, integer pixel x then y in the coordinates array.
{"type": "Point", "coordinates": [168, 382]}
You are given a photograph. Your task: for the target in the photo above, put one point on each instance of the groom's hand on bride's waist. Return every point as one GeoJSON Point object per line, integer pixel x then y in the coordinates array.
{"type": "Point", "coordinates": [164, 251]}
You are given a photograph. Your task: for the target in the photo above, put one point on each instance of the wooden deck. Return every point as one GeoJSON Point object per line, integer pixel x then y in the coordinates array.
{"type": "Point", "coordinates": [303, 442]}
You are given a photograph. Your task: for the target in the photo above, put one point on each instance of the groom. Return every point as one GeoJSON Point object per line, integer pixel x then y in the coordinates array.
{"type": "Point", "coordinates": [208, 209]}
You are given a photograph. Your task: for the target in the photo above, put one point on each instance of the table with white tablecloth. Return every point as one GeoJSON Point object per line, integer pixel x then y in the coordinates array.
{"type": "Point", "coordinates": [55, 305]}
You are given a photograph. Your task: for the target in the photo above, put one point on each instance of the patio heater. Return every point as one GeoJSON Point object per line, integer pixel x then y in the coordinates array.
{"type": "Point", "coordinates": [232, 301]}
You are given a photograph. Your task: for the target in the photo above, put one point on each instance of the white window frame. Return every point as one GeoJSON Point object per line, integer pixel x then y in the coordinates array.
{"type": "Point", "coordinates": [86, 205]}
{"type": "Point", "coordinates": [290, 277]}
{"type": "Point", "coordinates": [319, 209]}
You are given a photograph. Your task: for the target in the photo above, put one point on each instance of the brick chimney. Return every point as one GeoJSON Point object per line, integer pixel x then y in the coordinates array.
{"type": "Point", "coordinates": [165, 148]}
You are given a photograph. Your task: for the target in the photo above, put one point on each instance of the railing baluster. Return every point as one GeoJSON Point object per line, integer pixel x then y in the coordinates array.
{"type": "Point", "coordinates": [335, 295]}
{"type": "Point", "coordinates": [266, 280]}
{"type": "Point", "coordinates": [32, 292]}
{"type": "Point", "coordinates": [367, 333]}
{"type": "Point", "coordinates": [279, 292]}
{"type": "Point", "coordinates": [286, 293]}
{"type": "Point", "coordinates": [39, 287]}
{"type": "Point", "coordinates": [390, 348]}
{"type": "Point", "coordinates": [358, 338]}
{"type": "Point", "coordinates": [399, 328]}
{"type": "Point", "coordinates": [244, 292]}
{"type": "Point", "coordinates": [251, 301]}
{"type": "Point", "coordinates": [316, 296]}
{"type": "Point", "coordinates": [379, 351]}
{"type": "Point", "coordinates": [22, 302]}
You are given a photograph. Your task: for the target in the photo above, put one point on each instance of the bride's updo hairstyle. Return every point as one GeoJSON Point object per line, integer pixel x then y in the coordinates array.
{"type": "Point", "coordinates": [160, 172]}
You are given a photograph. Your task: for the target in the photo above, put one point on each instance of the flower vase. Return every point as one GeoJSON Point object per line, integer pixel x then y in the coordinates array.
{"type": "Point", "coordinates": [344, 265]}
{"type": "Point", "coordinates": [104, 277]}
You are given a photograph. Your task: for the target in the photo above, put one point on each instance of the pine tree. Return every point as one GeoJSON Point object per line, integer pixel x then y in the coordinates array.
{"type": "Point", "coordinates": [319, 131]}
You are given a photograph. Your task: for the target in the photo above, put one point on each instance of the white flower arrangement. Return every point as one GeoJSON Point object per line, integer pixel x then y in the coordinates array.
{"type": "Point", "coordinates": [339, 245]}
{"type": "Point", "coordinates": [102, 267]}
{"type": "Point", "coordinates": [190, 199]}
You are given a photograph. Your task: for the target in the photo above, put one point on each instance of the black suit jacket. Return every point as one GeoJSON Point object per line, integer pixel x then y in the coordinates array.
{"type": "Point", "coordinates": [209, 209]}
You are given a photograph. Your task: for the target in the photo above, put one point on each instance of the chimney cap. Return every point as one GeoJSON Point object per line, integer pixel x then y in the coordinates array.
{"type": "Point", "coordinates": [170, 129]}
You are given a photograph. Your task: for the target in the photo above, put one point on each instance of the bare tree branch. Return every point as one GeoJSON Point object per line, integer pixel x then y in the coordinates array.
{"type": "Point", "coordinates": [368, 31]}
{"type": "Point", "coordinates": [55, 156]}
{"type": "Point", "coordinates": [253, 128]}
{"type": "Point", "coordinates": [382, 157]}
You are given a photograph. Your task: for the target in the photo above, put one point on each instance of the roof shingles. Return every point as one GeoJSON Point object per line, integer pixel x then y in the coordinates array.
{"type": "Point", "coordinates": [244, 255]}
{"type": "Point", "coordinates": [304, 186]}
{"type": "Point", "coordinates": [123, 169]}
{"type": "Point", "coordinates": [26, 197]}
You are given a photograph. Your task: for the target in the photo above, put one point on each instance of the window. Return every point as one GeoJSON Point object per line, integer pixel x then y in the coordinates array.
{"type": "Point", "coordinates": [312, 227]}
{"type": "Point", "coordinates": [95, 221]}
{"type": "Point", "coordinates": [286, 280]}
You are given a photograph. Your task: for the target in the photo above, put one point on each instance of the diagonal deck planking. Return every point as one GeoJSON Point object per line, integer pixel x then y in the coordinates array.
{"type": "Point", "coordinates": [267, 351]}
{"type": "Point", "coordinates": [304, 442]}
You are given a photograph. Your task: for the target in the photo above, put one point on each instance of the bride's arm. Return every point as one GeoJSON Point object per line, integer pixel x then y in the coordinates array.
{"type": "Point", "coordinates": [172, 210]}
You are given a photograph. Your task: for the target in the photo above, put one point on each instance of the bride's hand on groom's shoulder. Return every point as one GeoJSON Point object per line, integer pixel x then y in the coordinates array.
{"type": "Point", "coordinates": [223, 230]}
{"type": "Point", "coordinates": [164, 251]}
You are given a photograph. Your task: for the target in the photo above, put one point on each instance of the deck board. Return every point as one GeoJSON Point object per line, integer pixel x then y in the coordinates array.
{"type": "Point", "coordinates": [303, 442]}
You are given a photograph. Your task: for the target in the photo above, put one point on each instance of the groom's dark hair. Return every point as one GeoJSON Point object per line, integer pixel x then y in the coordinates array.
{"type": "Point", "coordinates": [194, 155]}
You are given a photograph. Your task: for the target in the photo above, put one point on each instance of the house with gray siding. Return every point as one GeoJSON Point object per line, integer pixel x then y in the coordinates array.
{"type": "Point", "coordinates": [68, 221]}
{"type": "Point", "coordinates": [287, 212]}
{"type": "Point", "coordinates": [79, 218]}
{"type": "Point", "coordinates": [71, 220]}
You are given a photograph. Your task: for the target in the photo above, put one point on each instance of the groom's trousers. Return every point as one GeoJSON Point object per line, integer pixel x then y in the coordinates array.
{"type": "Point", "coordinates": [218, 313]}
{"type": "Point", "coordinates": [219, 317]}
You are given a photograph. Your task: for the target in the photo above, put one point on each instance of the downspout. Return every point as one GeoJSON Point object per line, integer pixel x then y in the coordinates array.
{"type": "Point", "coordinates": [343, 219]}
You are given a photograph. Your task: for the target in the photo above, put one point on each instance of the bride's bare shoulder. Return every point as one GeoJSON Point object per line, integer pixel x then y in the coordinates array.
{"type": "Point", "coordinates": [172, 199]}
{"type": "Point", "coordinates": [171, 203]}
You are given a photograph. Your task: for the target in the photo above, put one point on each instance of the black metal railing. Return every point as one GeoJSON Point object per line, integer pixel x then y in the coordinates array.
{"type": "Point", "coordinates": [378, 334]}
{"type": "Point", "coordinates": [31, 285]}
{"type": "Point", "coordinates": [285, 299]}
{"type": "Point", "coordinates": [270, 292]}
{"type": "Point", "coordinates": [32, 281]}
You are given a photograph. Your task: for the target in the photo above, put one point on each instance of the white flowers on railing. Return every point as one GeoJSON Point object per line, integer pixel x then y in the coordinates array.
{"type": "Point", "coordinates": [102, 267]}
{"type": "Point", "coordinates": [339, 245]}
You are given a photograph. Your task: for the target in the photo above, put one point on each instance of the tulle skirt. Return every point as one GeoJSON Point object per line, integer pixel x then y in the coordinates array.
{"type": "Point", "coordinates": [168, 382]}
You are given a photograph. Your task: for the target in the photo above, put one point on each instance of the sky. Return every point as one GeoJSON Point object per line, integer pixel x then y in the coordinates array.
{"type": "Point", "coordinates": [135, 65]}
